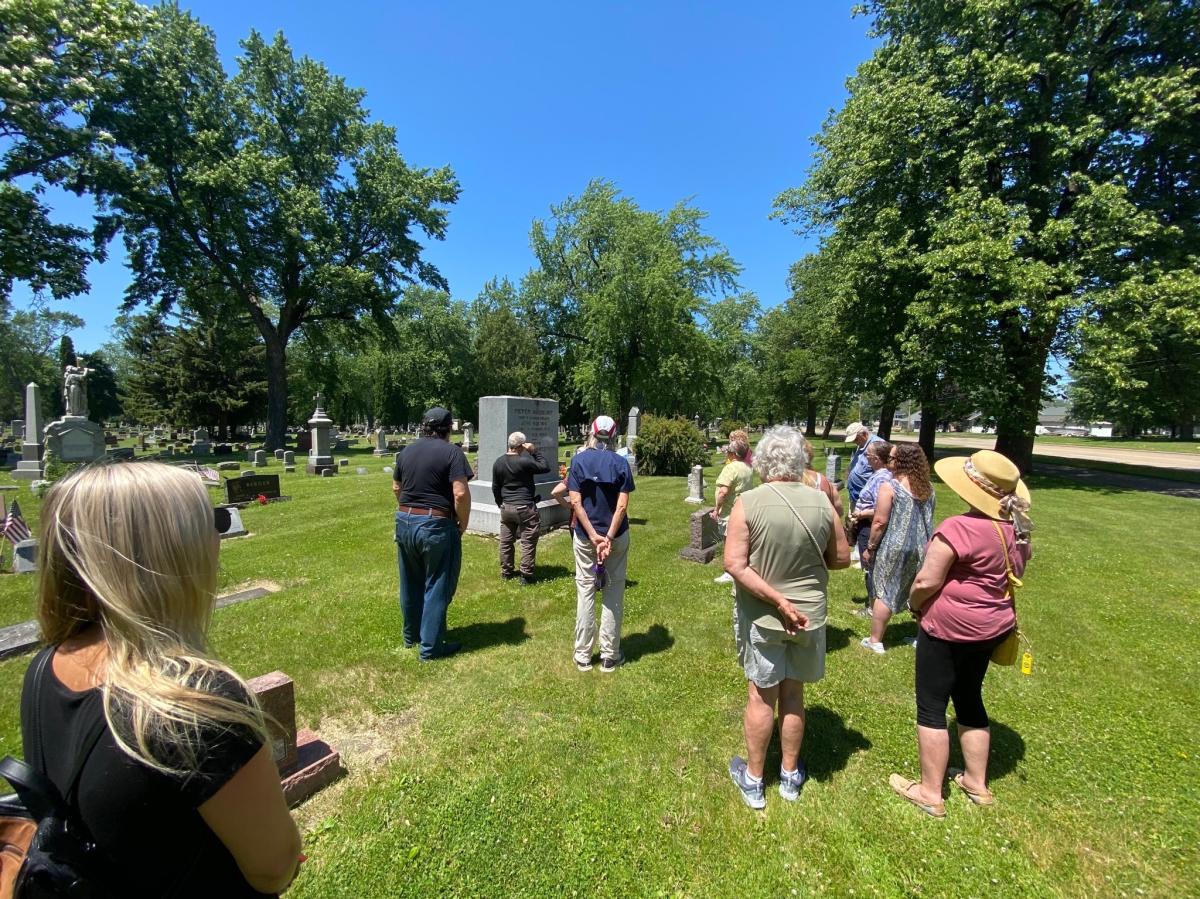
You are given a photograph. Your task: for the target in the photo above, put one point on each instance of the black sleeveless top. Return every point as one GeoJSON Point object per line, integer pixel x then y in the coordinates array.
{"type": "Point", "coordinates": [146, 821]}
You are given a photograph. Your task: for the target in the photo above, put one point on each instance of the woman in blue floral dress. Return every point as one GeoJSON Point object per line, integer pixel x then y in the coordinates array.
{"type": "Point", "coordinates": [900, 531]}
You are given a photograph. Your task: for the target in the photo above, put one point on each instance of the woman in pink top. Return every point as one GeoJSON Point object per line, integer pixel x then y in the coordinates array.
{"type": "Point", "coordinates": [965, 608]}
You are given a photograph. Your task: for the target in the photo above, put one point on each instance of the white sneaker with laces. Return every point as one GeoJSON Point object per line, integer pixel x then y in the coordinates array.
{"type": "Point", "coordinates": [876, 648]}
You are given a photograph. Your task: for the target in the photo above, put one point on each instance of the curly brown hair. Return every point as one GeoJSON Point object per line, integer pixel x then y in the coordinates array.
{"type": "Point", "coordinates": [911, 463]}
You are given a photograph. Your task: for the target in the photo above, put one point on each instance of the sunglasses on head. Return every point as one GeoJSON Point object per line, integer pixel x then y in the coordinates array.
{"type": "Point", "coordinates": [222, 519]}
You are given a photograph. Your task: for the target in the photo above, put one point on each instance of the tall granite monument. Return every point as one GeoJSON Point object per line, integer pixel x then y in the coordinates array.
{"type": "Point", "coordinates": [30, 466]}
{"type": "Point", "coordinates": [320, 454]}
{"type": "Point", "coordinates": [499, 416]}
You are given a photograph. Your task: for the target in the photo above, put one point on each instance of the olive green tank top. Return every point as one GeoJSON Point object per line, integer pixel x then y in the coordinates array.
{"type": "Point", "coordinates": [783, 554]}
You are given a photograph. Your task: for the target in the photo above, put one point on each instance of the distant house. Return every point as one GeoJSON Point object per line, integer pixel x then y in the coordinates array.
{"type": "Point", "coordinates": [1055, 418]}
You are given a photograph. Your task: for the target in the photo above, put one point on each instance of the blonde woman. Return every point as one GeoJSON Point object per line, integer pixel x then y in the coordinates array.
{"type": "Point", "coordinates": [176, 783]}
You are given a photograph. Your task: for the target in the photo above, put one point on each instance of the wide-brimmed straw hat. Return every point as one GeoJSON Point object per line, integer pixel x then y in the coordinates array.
{"type": "Point", "coordinates": [984, 480]}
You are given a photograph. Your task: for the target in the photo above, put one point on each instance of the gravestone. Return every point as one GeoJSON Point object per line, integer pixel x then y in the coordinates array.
{"type": "Point", "coordinates": [249, 473]}
{"type": "Point", "coordinates": [289, 458]}
{"type": "Point", "coordinates": [201, 446]}
{"type": "Point", "coordinates": [328, 472]}
{"type": "Point", "coordinates": [32, 448]}
{"type": "Point", "coordinates": [320, 456]}
{"type": "Point", "coordinates": [236, 527]}
{"type": "Point", "coordinates": [250, 486]}
{"type": "Point", "coordinates": [260, 459]}
{"type": "Point", "coordinates": [703, 543]}
{"type": "Point", "coordinates": [306, 763]}
{"type": "Point", "coordinates": [380, 443]}
{"type": "Point", "coordinates": [18, 429]}
{"type": "Point", "coordinates": [74, 438]}
{"type": "Point", "coordinates": [468, 434]}
{"type": "Point", "coordinates": [342, 463]}
{"type": "Point", "coordinates": [396, 459]}
{"type": "Point", "coordinates": [303, 442]}
{"type": "Point", "coordinates": [228, 466]}
{"type": "Point", "coordinates": [25, 557]}
{"type": "Point", "coordinates": [499, 416]}
{"type": "Point", "coordinates": [833, 468]}
{"type": "Point", "coordinates": [695, 485]}
{"type": "Point", "coordinates": [124, 453]}
{"type": "Point", "coordinates": [279, 454]}
{"type": "Point", "coordinates": [633, 426]}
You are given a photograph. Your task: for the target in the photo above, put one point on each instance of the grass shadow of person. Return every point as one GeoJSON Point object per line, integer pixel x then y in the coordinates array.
{"type": "Point", "coordinates": [551, 572]}
{"type": "Point", "coordinates": [1008, 749]}
{"type": "Point", "coordinates": [837, 637]}
{"type": "Point", "coordinates": [827, 747]}
{"type": "Point", "coordinates": [483, 634]}
{"type": "Point", "coordinates": [656, 639]}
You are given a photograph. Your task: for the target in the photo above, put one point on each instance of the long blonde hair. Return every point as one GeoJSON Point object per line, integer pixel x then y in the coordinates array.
{"type": "Point", "coordinates": [132, 547]}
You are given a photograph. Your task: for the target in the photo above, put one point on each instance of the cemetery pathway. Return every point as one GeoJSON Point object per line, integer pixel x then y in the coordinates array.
{"type": "Point", "coordinates": [1149, 458]}
{"type": "Point", "coordinates": [1102, 479]}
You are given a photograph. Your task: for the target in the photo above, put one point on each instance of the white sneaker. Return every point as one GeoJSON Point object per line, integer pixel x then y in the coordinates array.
{"type": "Point", "coordinates": [876, 648]}
{"type": "Point", "coordinates": [726, 578]}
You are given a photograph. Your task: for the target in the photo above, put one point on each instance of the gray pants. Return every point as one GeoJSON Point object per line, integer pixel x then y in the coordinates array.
{"type": "Point", "coordinates": [612, 598]}
{"type": "Point", "coordinates": [518, 524]}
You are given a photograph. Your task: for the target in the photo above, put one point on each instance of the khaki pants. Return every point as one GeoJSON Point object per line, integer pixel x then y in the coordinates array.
{"type": "Point", "coordinates": [518, 524]}
{"type": "Point", "coordinates": [613, 599]}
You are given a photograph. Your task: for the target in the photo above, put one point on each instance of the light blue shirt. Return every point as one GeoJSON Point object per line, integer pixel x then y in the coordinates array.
{"type": "Point", "coordinates": [860, 471]}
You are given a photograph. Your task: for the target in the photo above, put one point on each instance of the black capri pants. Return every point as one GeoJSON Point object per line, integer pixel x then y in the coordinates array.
{"type": "Point", "coordinates": [952, 671]}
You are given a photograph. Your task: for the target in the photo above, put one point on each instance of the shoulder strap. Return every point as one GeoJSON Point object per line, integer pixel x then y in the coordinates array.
{"type": "Point", "coordinates": [39, 677]}
{"type": "Point", "coordinates": [803, 524]}
{"type": "Point", "coordinates": [1013, 580]}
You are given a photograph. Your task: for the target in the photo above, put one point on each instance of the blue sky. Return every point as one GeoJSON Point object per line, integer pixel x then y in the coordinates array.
{"type": "Point", "coordinates": [529, 101]}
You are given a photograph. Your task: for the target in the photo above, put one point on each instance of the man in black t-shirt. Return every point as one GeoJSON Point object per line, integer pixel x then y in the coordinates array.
{"type": "Point", "coordinates": [512, 487]}
{"type": "Point", "coordinates": [430, 484]}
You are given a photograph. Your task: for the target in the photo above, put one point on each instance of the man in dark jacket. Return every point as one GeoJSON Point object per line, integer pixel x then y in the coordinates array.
{"type": "Point", "coordinates": [512, 487]}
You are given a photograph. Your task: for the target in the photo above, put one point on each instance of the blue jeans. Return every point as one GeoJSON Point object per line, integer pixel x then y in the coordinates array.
{"type": "Point", "coordinates": [429, 552]}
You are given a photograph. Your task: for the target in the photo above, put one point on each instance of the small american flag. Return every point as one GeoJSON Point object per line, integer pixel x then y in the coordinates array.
{"type": "Point", "coordinates": [15, 528]}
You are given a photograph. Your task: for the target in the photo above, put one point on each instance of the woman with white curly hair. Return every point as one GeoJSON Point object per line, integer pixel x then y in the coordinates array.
{"type": "Point", "coordinates": [781, 542]}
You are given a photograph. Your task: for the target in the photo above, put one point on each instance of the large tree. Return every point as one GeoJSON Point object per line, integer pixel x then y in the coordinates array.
{"type": "Point", "coordinates": [58, 60]}
{"type": "Point", "coordinates": [270, 189]}
{"type": "Point", "coordinates": [29, 342]}
{"type": "Point", "coordinates": [620, 289]}
{"type": "Point", "coordinates": [1032, 119]}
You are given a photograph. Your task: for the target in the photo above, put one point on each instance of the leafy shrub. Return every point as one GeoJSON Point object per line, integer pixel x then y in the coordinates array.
{"type": "Point", "coordinates": [728, 425]}
{"type": "Point", "coordinates": [668, 446]}
{"type": "Point", "coordinates": [55, 469]}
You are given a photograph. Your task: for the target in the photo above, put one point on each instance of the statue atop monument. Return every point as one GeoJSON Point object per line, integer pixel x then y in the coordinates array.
{"type": "Point", "coordinates": [75, 390]}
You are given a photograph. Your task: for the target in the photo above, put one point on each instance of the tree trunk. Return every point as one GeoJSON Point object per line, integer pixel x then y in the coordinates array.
{"type": "Point", "coordinates": [277, 393]}
{"type": "Point", "coordinates": [887, 415]}
{"type": "Point", "coordinates": [810, 425]}
{"type": "Point", "coordinates": [833, 411]}
{"type": "Point", "coordinates": [928, 433]}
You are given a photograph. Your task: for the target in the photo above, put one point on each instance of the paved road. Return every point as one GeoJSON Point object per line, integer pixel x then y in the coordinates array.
{"type": "Point", "coordinates": [1149, 458]}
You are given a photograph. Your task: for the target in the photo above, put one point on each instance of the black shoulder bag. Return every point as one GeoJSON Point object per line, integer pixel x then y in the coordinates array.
{"type": "Point", "coordinates": [62, 859]}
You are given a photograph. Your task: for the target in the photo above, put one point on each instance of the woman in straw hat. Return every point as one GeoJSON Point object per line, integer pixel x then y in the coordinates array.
{"type": "Point", "coordinates": [165, 746]}
{"type": "Point", "coordinates": [963, 600]}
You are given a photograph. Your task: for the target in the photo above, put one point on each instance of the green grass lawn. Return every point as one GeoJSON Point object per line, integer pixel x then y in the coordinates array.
{"type": "Point", "coordinates": [504, 771]}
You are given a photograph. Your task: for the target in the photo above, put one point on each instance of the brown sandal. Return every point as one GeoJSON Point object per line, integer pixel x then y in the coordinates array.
{"type": "Point", "coordinates": [904, 789]}
{"type": "Point", "coordinates": [984, 799]}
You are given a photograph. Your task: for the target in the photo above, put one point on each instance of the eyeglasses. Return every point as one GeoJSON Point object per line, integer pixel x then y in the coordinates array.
{"type": "Point", "coordinates": [222, 519]}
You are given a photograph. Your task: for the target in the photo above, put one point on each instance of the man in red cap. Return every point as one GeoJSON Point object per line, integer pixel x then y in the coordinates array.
{"type": "Point", "coordinates": [600, 482]}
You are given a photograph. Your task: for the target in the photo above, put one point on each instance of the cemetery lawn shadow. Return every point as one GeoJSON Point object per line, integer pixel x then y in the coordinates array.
{"type": "Point", "coordinates": [827, 748]}
{"type": "Point", "coordinates": [548, 572]}
{"type": "Point", "coordinates": [655, 639]}
{"type": "Point", "coordinates": [507, 771]}
{"type": "Point", "coordinates": [484, 634]}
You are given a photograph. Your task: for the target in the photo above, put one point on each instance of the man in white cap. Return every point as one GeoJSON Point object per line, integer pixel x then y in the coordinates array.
{"type": "Point", "coordinates": [860, 469]}
{"type": "Point", "coordinates": [600, 482]}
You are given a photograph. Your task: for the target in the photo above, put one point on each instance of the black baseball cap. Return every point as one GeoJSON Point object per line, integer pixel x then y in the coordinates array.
{"type": "Point", "coordinates": [438, 417]}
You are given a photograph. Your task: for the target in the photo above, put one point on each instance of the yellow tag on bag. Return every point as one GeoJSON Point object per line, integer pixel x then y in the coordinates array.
{"type": "Point", "coordinates": [1027, 663]}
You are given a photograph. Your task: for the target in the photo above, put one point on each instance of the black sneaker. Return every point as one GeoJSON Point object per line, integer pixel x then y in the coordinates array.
{"type": "Point", "coordinates": [443, 652]}
{"type": "Point", "coordinates": [608, 666]}
{"type": "Point", "coordinates": [507, 577]}
{"type": "Point", "coordinates": [527, 580]}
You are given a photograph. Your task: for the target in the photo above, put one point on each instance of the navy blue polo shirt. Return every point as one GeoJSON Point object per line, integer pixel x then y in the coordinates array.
{"type": "Point", "coordinates": [599, 476]}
